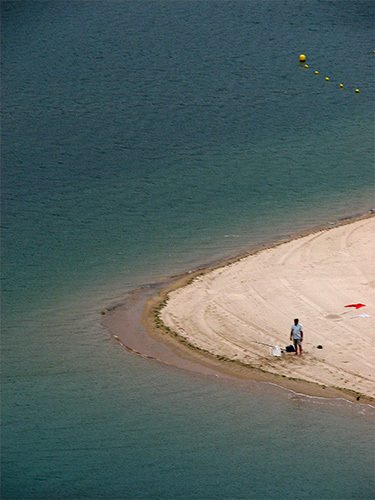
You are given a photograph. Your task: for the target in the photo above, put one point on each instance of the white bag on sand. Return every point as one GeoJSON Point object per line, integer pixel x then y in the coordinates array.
{"type": "Point", "coordinates": [276, 351]}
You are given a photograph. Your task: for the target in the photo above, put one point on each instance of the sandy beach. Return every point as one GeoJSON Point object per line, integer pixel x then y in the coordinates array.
{"type": "Point", "coordinates": [239, 311]}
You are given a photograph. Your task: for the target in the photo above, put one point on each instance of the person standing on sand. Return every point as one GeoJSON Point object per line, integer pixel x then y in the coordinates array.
{"type": "Point", "coordinates": [296, 334]}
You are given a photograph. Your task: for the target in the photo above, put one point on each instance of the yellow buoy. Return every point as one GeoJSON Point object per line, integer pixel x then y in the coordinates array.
{"type": "Point", "coordinates": [327, 78]}
{"type": "Point", "coordinates": [302, 58]}
{"type": "Point", "coordinates": [341, 85]}
{"type": "Point", "coordinates": [357, 91]}
{"type": "Point", "coordinates": [316, 72]}
{"type": "Point", "coordinates": [306, 66]}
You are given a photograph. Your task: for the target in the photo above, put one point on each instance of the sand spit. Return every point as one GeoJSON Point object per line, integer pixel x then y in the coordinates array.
{"type": "Point", "coordinates": [238, 311]}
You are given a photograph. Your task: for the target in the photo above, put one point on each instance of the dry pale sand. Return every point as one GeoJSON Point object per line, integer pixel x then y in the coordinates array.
{"type": "Point", "coordinates": [239, 310]}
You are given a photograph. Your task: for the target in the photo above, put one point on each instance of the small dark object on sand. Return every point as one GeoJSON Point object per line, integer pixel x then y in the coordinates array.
{"type": "Point", "coordinates": [319, 347]}
{"type": "Point", "coordinates": [289, 348]}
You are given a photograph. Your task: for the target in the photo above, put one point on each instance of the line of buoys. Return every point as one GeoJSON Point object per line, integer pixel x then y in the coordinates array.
{"type": "Point", "coordinates": [303, 58]}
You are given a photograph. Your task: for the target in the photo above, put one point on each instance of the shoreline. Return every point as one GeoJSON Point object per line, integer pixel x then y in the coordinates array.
{"type": "Point", "coordinates": [136, 324]}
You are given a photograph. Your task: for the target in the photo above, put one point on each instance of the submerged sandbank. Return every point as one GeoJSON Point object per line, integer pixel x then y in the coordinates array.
{"type": "Point", "coordinates": [221, 320]}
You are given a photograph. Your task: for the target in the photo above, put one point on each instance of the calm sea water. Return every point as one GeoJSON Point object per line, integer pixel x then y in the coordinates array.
{"type": "Point", "coordinates": [140, 139]}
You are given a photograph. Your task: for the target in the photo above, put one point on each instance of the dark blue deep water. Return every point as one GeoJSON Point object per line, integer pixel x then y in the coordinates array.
{"type": "Point", "coordinates": [141, 139]}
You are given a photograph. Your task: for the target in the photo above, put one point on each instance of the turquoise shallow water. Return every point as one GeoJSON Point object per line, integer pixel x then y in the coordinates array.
{"type": "Point", "coordinates": [141, 139]}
